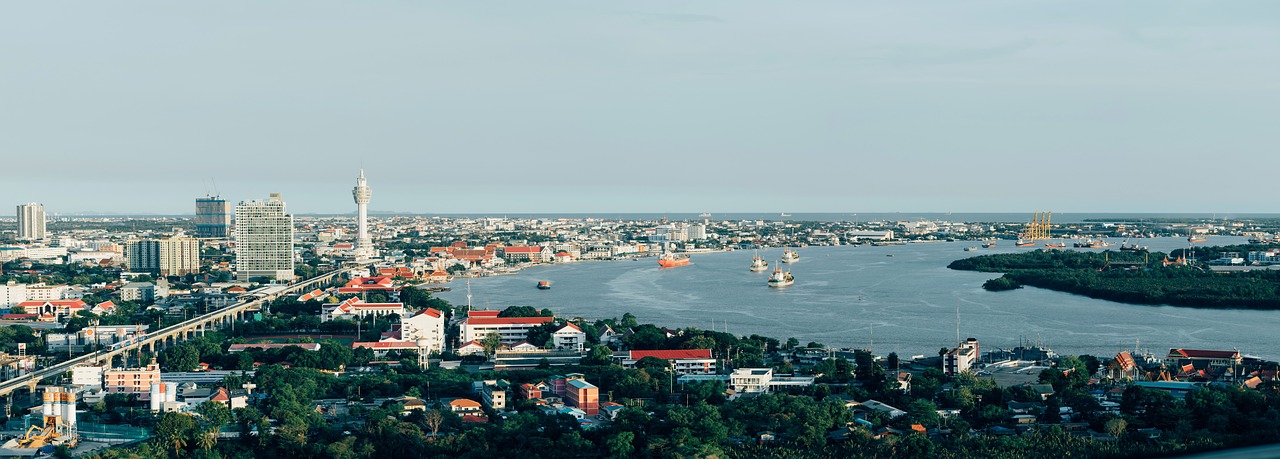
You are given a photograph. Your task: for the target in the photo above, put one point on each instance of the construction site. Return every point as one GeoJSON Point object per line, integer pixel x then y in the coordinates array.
{"type": "Point", "coordinates": [55, 427]}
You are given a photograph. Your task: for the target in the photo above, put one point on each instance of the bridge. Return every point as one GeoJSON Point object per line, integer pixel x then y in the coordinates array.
{"type": "Point", "coordinates": [171, 335]}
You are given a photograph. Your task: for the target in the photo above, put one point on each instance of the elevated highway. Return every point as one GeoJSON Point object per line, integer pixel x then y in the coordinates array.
{"type": "Point", "coordinates": [171, 335]}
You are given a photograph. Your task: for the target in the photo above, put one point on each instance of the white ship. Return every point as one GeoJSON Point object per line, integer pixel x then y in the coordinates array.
{"type": "Point", "coordinates": [790, 256]}
{"type": "Point", "coordinates": [781, 279]}
{"type": "Point", "coordinates": [758, 264]}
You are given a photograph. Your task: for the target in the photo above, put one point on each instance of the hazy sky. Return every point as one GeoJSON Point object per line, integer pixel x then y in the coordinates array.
{"type": "Point", "coordinates": [653, 106]}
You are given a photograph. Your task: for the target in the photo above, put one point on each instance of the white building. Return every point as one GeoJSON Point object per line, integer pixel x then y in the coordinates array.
{"type": "Point", "coordinates": [479, 324]}
{"type": "Point", "coordinates": [31, 222]}
{"type": "Point", "coordinates": [569, 337]}
{"type": "Point", "coordinates": [427, 325]}
{"type": "Point", "coordinates": [751, 380]}
{"type": "Point", "coordinates": [961, 358]}
{"type": "Point", "coordinates": [175, 256]}
{"type": "Point", "coordinates": [87, 376]}
{"type": "Point", "coordinates": [42, 292]}
{"type": "Point", "coordinates": [12, 294]}
{"type": "Point", "coordinates": [682, 361]}
{"type": "Point", "coordinates": [353, 309]}
{"type": "Point", "coordinates": [264, 240]}
{"type": "Point", "coordinates": [138, 291]}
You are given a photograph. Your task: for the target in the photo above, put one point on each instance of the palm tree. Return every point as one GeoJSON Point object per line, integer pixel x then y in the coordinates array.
{"type": "Point", "coordinates": [208, 438]}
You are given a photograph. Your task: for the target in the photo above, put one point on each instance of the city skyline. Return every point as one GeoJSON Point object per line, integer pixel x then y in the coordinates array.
{"type": "Point", "coordinates": [581, 107]}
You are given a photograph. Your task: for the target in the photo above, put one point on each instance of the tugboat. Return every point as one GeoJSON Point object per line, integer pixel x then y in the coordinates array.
{"type": "Point", "coordinates": [790, 256]}
{"type": "Point", "coordinates": [544, 285]}
{"type": "Point", "coordinates": [758, 264]}
{"type": "Point", "coordinates": [671, 260]}
{"type": "Point", "coordinates": [781, 279]}
{"type": "Point", "coordinates": [990, 244]}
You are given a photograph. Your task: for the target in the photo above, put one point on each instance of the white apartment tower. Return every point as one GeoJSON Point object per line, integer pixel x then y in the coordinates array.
{"type": "Point", "coordinates": [175, 256]}
{"type": "Point", "coordinates": [264, 239]}
{"type": "Point", "coordinates": [31, 221]}
{"type": "Point", "coordinates": [362, 193]}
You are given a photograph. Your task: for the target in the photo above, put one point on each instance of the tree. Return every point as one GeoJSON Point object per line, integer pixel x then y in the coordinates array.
{"type": "Point", "coordinates": [620, 445]}
{"type": "Point", "coordinates": [1116, 427]}
{"type": "Point", "coordinates": [491, 342]}
{"type": "Point", "coordinates": [792, 342]}
{"type": "Point", "coordinates": [174, 430]}
{"type": "Point", "coordinates": [215, 414]}
{"type": "Point", "coordinates": [183, 357]}
{"type": "Point", "coordinates": [434, 419]}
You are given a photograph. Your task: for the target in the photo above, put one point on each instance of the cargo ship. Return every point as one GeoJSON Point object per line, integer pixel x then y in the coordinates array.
{"type": "Point", "coordinates": [989, 245]}
{"type": "Point", "coordinates": [781, 279]}
{"type": "Point", "coordinates": [671, 260]}
{"type": "Point", "coordinates": [1024, 243]}
{"type": "Point", "coordinates": [544, 285]}
{"type": "Point", "coordinates": [1057, 245]}
{"type": "Point", "coordinates": [790, 256]}
{"type": "Point", "coordinates": [758, 264]}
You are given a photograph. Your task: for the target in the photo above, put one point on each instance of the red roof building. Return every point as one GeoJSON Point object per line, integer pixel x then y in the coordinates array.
{"type": "Point", "coordinates": [683, 361]}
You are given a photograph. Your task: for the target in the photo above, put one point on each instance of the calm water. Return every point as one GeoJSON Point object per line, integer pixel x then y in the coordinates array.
{"type": "Point", "coordinates": [848, 296]}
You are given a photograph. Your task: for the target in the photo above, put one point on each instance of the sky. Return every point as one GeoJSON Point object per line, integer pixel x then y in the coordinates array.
{"type": "Point", "coordinates": [654, 106]}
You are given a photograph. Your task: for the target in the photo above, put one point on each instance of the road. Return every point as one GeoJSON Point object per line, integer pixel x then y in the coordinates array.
{"type": "Point", "coordinates": [30, 379]}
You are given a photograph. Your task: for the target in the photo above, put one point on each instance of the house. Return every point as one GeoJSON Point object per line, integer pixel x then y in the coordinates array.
{"type": "Point", "coordinates": [569, 336]}
{"type": "Point", "coordinates": [533, 391]}
{"type": "Point", "coordinates": [610, 410]}
{"type": "Point", "coordinates": [563, 257]}
{"type": "Point", "coordinates": [472, 347]}
{"type": "Point", "coordinates": [104, 308]}
{"type": "Point", "coordinates": [465, 407]}
{"type": "Point", "coordinates": [682, 361]}
{"type": "Point", "coordinates": [608, 336]}
{"type": "Point", "coordinates": [880, 407]}
{"type": "Point", "coordinates": [438, 277]}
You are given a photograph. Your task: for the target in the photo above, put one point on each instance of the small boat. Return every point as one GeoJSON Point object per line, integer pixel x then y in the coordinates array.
{"type": "Point", "coordinates": [544, 285]}
{"type": "Point", "coordinates": [784, 214]}
{"type": "Point", "coordinates": [705, 215]}
{"type": "Point", "coordinates": [671, 260]}
{"type": "Point", "coordinates": [970, 249]}
{"type": "Point", "coordinates": [780, 279]}
{"type": "Point", "coordinates": [790, 256]}
{"type": "Point", "coordinates": [989, 245]}
{"type": "Point", "coordinates": [758, 264]}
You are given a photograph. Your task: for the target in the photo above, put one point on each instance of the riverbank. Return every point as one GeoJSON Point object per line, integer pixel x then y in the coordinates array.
{"type": "Point", "coordinates": [1132, 277]}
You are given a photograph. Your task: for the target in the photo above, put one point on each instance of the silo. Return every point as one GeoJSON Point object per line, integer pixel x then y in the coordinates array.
{"type": "Point", "coordinates": [69, 404]}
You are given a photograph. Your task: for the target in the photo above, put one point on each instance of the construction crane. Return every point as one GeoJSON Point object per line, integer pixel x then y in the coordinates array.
{"type": "Point", "coordinates": [1038, 228]}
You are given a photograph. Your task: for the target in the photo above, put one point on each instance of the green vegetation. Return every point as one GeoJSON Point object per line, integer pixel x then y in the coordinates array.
{"type": "Point", "coordinates": [1129, 278]}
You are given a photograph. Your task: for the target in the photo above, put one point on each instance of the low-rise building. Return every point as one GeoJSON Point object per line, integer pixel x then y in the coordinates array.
{"type": "Point", "coordinates": [512, 330]}
{"type": "Point", "coordinates": [682, 361]}
{"type": "Point", "coordinates": [960, 358]}
{"type": "Point", "coordinates": [131, 380]}
{"type": "Point", "coordinates": [570, 337]}
{"type": "Point", "coordinates": [493, 393]}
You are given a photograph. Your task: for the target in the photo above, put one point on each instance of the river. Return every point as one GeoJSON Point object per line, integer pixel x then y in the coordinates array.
{"type": "Point", "coordinates": [896, 299]}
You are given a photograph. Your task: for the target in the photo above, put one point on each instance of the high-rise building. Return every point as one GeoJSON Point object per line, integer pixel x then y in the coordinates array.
{"type": "Point", "coordinates": [175, 256]}
{"type": "Point", "coordinates": [143, 256]}
{"type": "Point", "coordinates": [213, 217]}
{"type": "Point", "coordinates": [362, 193]}
{"type": "Point", "coordinates": [264, 239]}
{"type": "Point", "coordinates": [31, 221]}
